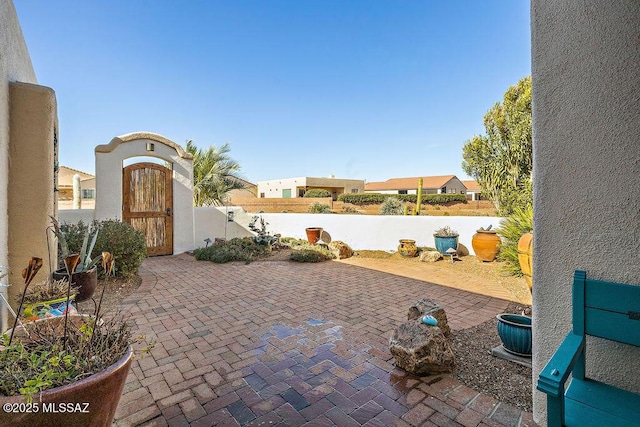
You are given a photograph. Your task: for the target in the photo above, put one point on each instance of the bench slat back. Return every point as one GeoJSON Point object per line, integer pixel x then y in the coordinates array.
{"type": "Point", "coordinates": [606, 309]}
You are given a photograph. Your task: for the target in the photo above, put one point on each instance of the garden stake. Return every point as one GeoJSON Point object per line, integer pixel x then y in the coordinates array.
{"type": "Point", "coordinates": [107, 265]}
{"type": "Point", "coordinates": [70, 264]}
{"type": "Point", "coordinates": [28, 274]}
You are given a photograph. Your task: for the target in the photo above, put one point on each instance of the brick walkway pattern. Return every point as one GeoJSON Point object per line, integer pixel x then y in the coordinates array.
{"type": "Point", "coordinates": [280, 343]}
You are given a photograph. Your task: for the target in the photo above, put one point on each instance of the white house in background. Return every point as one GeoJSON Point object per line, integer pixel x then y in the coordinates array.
{"type": "Point", "coordinates": [296, 187]}
{"type": "Point", "coordinates": [445, 184]}
{"type": "Point", "coordinates": [474, 192]}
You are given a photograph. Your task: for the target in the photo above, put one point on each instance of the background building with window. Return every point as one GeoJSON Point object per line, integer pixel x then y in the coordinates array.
{"type": "Point", "coordinates": [287, 188]}
{"type": "Point", "coordinates": [65, 188]}
{"type": "Point", "coordinates": [445, 184]}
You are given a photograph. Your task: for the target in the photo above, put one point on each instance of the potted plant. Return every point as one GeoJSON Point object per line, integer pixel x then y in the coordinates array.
{"type": "Point", "coordinates": [446, 239]}
{"type": "Point", "coordinates": [67, 370]}
{"type": "Point", "coordinates": [486, 244]}
{"type": "Point", "coordinates": [85, 275]}
{"type": "Point", "coordinates": [48, 299]}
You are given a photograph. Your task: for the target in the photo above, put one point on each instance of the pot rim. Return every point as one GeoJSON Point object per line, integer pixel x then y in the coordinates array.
{"type": "Point", "coordinates": [503, 320]}
{"type": "Point", "coordinates": [407, 241]}
{"type": "Point", "coordinates": [446, 237]}
{"type": "Point", "coordinates": [313, 228]}
{"type": "Point", "coordinates": [487, 231]}
{"type": "Point", "coordinates": [64, 271]}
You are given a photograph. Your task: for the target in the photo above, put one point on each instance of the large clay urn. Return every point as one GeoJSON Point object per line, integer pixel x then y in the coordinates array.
{"type": "Point", "coordinates": [313, 234]}
{"type": "Point", "coordinates": [525, 257]}
{"type": "Point", "coordinates": [486, 245]}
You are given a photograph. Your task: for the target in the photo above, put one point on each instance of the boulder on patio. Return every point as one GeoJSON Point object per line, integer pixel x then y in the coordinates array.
{"type": "Point", "coordinates": [430, 256]}
{"type": "Point", "coordinates": [421, 349]}
{"type": "Point", "coordinates": [340, 249]}
{"type": "Point", "coordinates": [429, 307]}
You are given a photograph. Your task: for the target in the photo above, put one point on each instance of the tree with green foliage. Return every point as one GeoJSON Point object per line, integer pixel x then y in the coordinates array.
{"type": "Point", "coordinates": [214, 174]}
{"type": "Point", "coordinates": [501, 160]}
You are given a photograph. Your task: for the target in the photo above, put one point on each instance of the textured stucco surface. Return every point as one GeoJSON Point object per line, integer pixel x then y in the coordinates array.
{"type": "Point", "coordinates": [31, 200]}
{"type": "Point", "coordinates": [15, 65]}
{"type": "Point", "coordinates": [586, 130]}
{"type": "Point", "coordinates": [109, 160]}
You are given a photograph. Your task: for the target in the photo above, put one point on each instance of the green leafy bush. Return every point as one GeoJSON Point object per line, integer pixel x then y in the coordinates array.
{"type": "Point", "coordinates": [237, 249]}
{"type": "Point", "coordinates": [392, 206]}
{"type": "Point", "coordinates": [317, 192]}
{"type": "Point", "coordinates": [308, 255]}
{"type": "Point", "coordinates": [375, 198]}
{"type": "Point", "coordinates": [317, 207]}
{"type": "Point", "coordinates": [511, 229]}
{"type": "Point", "coordinates": [125, 243]}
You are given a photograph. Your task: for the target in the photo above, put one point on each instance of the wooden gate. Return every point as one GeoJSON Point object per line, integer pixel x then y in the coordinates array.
{"type": "Point", "coordinates": [147, 204]}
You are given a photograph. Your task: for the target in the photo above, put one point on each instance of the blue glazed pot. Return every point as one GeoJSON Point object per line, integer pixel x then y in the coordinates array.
{"type": "Point", "coordinates": [515, 333]}
{"type": "Point", "coordinates": [444, 243]}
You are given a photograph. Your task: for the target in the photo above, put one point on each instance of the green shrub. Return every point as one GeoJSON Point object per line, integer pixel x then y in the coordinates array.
{"type": "Point", "coordinates": [392, 206]}
{"type": "Point", "coordinates": [511, 229]}
{"type": "Point", "coordinates": [375, 198]}
{"type": "Point", "coordinates": [317, 192]}
{"type": "Point", "coordinates": [237, 249]}
{"type": "Point", "coordinates": [317, 207]}
{"type": "Point", "coordinates": [125, 243]}
{"type": "Point", "coordinates": [308, 255]}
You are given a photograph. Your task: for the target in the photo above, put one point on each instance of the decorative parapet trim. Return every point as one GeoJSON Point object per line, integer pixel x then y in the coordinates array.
{"type": "Point", "coordinates": [107, 148]}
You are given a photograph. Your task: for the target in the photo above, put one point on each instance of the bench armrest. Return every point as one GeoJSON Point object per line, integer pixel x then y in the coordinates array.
{"type": "Point", "coordinates": [552, 378]}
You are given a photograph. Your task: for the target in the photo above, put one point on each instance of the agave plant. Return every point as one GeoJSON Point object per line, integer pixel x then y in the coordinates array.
{"type": "Point", "coordinates": [84, 262]}
{"type": "Point", "coordinates": [511, 229]}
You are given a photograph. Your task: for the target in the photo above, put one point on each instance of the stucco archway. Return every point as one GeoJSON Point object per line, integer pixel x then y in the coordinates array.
{"type": "Point", "coordinates": [109, 166]}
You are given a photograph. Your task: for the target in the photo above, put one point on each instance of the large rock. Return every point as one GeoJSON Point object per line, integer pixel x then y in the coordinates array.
{"type": "Point", "coordinates": [430, 256]}
{"type": "Point", "coordinates": [430, 307]}
{"type": "Point", "coordinates": [340, 249]}
{"type": "Point", "coordinates": [421, 349]}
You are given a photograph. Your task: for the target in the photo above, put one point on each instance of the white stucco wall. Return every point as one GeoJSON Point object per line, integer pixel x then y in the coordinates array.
{"type": "Point", "coordinates": [359, 231]}
{"type": "Point", "coordinates": [109, 160]}
{"type": "Point", "coordinates": [586, 139]}
{"type": "Point", "coordinates": [73, 216]}
{"type": "Point", "coordinates": [15, 66]}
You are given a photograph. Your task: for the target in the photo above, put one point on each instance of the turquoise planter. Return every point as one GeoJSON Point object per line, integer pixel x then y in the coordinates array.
{"type": "Point", "coordinates": [515, 333]}
{"type": "Point", "coordinates": [444, 243]}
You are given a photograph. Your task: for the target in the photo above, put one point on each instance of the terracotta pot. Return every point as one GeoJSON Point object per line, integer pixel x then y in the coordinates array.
{"type": "Point", "coordinates": [525, 257]}
{"type": "Point", "coordinates": [407, 248]}
{"type": "Point", "coordinates": [101, 392]}
{"type": "Point", "coordinates": [313, 234]}
{"type": "Point", "coordinates": [85, 280]}
{"type": "Point", "coordinates": [486, 244]}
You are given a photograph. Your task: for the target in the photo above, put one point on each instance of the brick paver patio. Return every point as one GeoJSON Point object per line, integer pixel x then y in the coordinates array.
{"type": "Point", "coordinates": [279, 343]}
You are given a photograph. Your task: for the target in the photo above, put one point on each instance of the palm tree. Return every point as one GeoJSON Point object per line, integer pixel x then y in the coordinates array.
{"type": "Point", "coordinates": [214, 174]}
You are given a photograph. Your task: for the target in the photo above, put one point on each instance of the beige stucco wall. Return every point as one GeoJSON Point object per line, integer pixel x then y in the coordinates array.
{"type": "Point", "coordinates": [586, 136]}
{"type": "Point", "coordinates": [15, 65]}
{"type": "Point", "coordinates": [109, 158]}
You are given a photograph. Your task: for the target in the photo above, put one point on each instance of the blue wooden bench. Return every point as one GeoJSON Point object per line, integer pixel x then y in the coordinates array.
{"type": "Point", "coordinates": [602, 309]}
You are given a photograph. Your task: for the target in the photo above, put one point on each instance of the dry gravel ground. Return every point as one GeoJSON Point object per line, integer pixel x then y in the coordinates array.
{"type": "Point", "coordinates": [475, 366]}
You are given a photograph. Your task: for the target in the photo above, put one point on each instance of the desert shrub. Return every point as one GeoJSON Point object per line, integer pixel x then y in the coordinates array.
{"type": "Point", "coordinates": [349, 209]}
{"type": "Point", "coordinates": [317, 207]}
{"type": "Point", "coordinates": [511, 229]}
{"type": "Point", "coordinates": [392, 206]}
{"type": "Point", "coordinates": [375, 198]}
{"type": "Point", "coordinates": [237, 249]}
{"type": "Point", "coordinates": [125, 243]}
{"type": "Point", "coordinates": [308, 255]}
{"type": "Point", "coordinates": [317, 192]}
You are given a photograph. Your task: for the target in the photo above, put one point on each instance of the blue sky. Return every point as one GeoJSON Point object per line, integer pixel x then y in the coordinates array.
{"type": "Point", "coordinates": [360, 89]}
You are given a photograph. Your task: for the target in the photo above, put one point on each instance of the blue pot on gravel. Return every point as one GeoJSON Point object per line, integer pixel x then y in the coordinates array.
{"type": "Point", "coordinates": [515, 333]}
{"type": "Point", "coordinates": [445, 243]}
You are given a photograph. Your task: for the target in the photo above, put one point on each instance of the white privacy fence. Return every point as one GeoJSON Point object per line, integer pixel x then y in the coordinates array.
{"type": "Point", "coordinates": [358, 231]}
